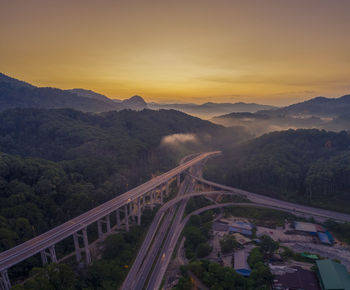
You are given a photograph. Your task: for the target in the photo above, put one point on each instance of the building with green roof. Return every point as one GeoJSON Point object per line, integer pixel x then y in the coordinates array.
{"type": "Point", "coordinates": [332, 275]}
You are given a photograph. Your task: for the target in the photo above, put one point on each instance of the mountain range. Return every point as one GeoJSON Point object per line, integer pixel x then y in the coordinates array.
{"type": "Point", "coordinates": [320, 112]}
{"type": "Point", "coordinates": [18, 94]}
{"type": "Point", "coordinates": [210, 109]}
{"type": "Point", "coordinates": [318, 107]}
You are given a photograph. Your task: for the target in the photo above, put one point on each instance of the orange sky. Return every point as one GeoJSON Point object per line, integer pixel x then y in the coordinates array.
{"type": "Point", "coordinates": [266, 51]}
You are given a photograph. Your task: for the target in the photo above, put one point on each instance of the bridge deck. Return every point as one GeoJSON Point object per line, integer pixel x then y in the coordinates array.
{"type": "Point", "coordinates": [31, 247]}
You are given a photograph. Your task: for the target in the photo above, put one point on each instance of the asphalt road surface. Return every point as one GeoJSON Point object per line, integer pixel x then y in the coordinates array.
{"type": "Point", "coordinates": [27, 249]}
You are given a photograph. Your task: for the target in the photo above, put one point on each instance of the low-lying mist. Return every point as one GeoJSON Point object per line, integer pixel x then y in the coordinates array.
{"type": "Point", "coordinates": [258, 125]}
{"type": "Point", "coordinates": [221, 138]}
{"type": "Point", "coordinates": [178, 139]}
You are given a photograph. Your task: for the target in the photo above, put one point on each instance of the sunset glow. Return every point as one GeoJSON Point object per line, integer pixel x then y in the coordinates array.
{"type": "Point", "coordinates": [266, 51]}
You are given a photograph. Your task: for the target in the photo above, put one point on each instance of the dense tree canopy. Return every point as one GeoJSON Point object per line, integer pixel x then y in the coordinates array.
{"type": "Point", "coordinates": [301, 165]}
{"type": "Point", "coordinates": [56, 164]}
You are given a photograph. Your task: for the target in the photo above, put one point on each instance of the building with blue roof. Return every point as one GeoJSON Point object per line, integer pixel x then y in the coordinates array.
{"type": "Point", "coordinates": [241, 231]}
{"type": "Point", "coordinates": [324, 238]}
{"type": "Point", "coordinates": [241, 265]}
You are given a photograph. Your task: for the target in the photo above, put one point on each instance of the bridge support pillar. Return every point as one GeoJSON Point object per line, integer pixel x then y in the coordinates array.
{"type": "Point", "coordinates": [152, 197]}
{"type": "Point", "coordinates": [105, 220]}
{"type": "Point", "coordinates": [161, 195]}
{"type": "Point", "coordinates": [99, 229]}
{"type": "Point", "coordinates": [118, 218]}
{"type": "Point", "coordinates": [131, 210]}
{"type": "Point", "coordinates": [167, 188]}
{"type": "Point", "coordinates": [143, 203]}
{"type": "Point", "coordinates": [52, 254]}
{"type": "Point", "coordinates": [43, 257]}
{"type": "Point", "coordinates": [126, 217]}
{"type": "Point", "coordinates": [84, 236]}
{"type": "Point", "coordinates": [138, 212]}
{"type": "Point", "coordinates": [86, 247]}
{"type": "Point", "coordinates": [108, 223]}
{"type": "Point", "coordinates": [77, 247]}
{"type": "Point", "coordinates": [5, 283]}
{"type": "Point", "coordinates": [178, 180]}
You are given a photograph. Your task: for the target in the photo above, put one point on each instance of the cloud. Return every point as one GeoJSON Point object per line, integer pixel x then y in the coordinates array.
{"type": "Point", "coordinates": [178, 139]}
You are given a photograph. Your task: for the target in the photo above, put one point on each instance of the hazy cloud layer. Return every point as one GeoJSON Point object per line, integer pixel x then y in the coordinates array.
{"type": "Point", "coordinates": [178, 139]}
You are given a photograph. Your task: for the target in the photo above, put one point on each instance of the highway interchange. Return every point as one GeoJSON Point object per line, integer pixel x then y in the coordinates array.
{"type": "Point", "coordinates": [157, 239]}
{"type": "Point", "coordinates": [155, 253]}
{"type": "Point", "coordinates": [151, 264]}
{"type": "Point", "coordinates": [31, 247]}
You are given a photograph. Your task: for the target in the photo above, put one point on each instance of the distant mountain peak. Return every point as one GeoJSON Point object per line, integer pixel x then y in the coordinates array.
{"type": "Point", "coordinates": [137, 97]}
{"type": "Point", "coordinates": [135, 103]}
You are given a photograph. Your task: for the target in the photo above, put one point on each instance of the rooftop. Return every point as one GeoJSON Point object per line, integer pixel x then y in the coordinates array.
{"type": "Point", "coordinates": [241, 265]}
{"type": "Point", "coordinates": [237, 224]}
{"type": "Point", "coordinates": [306, 227]}
{"type": "Point", "coordinates": [241, 239]}
{"type": "Point", "coordinates": [242, 225]}
{"type": "Point", "coordinates": [239, 230]}
{"type": "Point", "coordinates": [324, 238]}
{"type": "Point", "coordinates": [333, 275]}
{"type": "Point", "coordinates": [297, 279]}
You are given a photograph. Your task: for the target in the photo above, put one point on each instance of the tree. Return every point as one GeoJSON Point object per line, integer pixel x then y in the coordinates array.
{"type": "Point", "coordinates": [185, 283]}
{"type": "Point", "coordinates": [260, 276]}
{"type": "Point", "coordinates": [203, 250]}
{"type": "Point", "coordinates": [51, 277]}
{"type": "Point", "coordinates": [255, 257]}
{"type": "Point", "coordinates": [194, 237]}
{"type": "Point", "coordinates": [8, 239]}
{"type": "Point", "coordinates": [306, 166]}
{"type": "Point", "coordinates": [268, 245]}
{"type": "Point", "coordinates": [228, 243]}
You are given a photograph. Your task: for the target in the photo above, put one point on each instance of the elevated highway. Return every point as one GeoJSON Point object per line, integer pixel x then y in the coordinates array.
{"type": "Point", "coordinates": [161, 263]}
{"type": "Point", "coordinates": [129, 203]}
{"type": "Point", "coordinates": [160, 234]}
{"type": "Point", "coordinates": [277, 203]}
{"type": "Point", "coordinates": [287, 207]}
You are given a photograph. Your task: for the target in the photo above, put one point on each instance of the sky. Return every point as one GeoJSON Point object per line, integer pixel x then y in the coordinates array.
{"type": "Point", "coordinates": [265, 51]}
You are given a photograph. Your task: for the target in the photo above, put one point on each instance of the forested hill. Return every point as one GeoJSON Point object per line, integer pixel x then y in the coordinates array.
{"type": "Point", "coordinates": [86, 159]}
{"type": "Point", "coordinates": [308, 166]}
{"type": "Point", "coordinates": [18, 94]}
{"type": "Point", "coordinates": [67, 134]}
{"type": "Point", "coordinates": [12, 96]}
{"type": "Point", "coordinates": [319, 106]}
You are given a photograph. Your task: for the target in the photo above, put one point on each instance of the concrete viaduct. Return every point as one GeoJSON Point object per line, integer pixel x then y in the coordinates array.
{"type": "Point", "coordinates": [124, 206]}
{"type": "Point", "coordinates": [130, 204]}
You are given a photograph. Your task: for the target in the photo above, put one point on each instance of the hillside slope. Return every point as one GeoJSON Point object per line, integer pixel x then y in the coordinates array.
{"type": "Point", "coordinates": [319, 106]}
{"type": "Point", "coordinates": [19, 94]}
{"type": "Point", "coordinates": [58, 163]}
{"type": "Point", "coordinates": [307, 166]}
{"type": "Point", "coordinates": [320, 113]}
